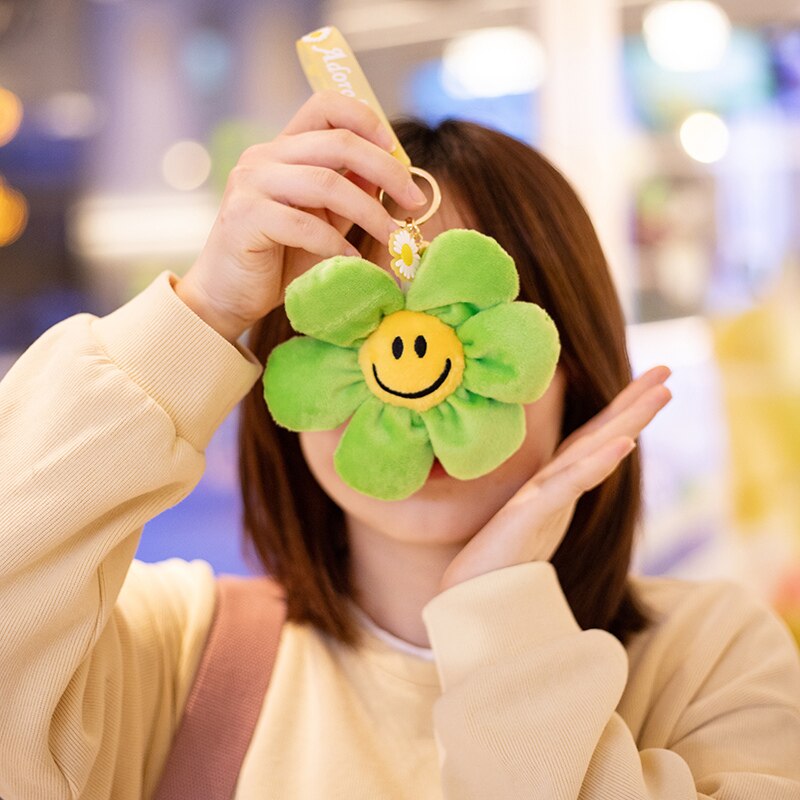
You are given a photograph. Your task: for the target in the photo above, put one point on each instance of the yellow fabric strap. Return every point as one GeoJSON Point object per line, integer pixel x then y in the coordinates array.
{"type": "Point", "coordinates": [329, 63]}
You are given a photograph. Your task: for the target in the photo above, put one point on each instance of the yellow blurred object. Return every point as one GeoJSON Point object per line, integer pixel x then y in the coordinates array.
{"type": "Point", "coordinates": [759, 356]}
{"type": "Point", "coordinates": [329, 63]}
{"type": "Point", "coordinates": [759, 359]}
{"type": "Point", "coordinates": [13, 214]}
{"type": "Point", "coordinates": [10, 115]}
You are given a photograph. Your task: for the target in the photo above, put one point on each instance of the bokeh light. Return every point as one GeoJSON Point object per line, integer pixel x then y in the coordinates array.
{"type": "Point", "coordinates": [742, 83]}
{"type": "Point", "coordinates": [71, 115]}
{"type": "Point", "coordinates": [704, 137]}
{"type": "Point", "coordinates": [10, 115]}
{"type": "Point", "coordinates": [186, 165]}
{"type": "Point", "coordinates": [13, 214]}
{"type": "Point", "coordinates": [493, 62]}
{"type": "Point", "coordinates": [686, 35]}
{"type": "Point", "coordinates": [207, 59]}
{"type": "Point", "coordinates": [517, 115]}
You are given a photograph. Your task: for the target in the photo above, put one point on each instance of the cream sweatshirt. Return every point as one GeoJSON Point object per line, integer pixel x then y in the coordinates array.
{"type": "Point", "coordinates": [103, 425]}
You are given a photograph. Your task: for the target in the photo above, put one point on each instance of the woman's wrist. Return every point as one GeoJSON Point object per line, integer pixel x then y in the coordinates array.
{"type": "Point", "coordinates": [226, 325]}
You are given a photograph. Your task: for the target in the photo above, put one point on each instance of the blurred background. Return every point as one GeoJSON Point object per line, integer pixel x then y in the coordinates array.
{"type": "Point", "coordinates": [678, 123]}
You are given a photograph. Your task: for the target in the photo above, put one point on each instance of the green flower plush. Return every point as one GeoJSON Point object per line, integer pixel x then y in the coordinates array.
{"type": "Point", "coordinates": [440, 370]}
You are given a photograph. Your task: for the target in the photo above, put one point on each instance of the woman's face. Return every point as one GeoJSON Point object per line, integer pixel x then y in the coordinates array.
{"type": "Point", "coordinates": [445, 510]}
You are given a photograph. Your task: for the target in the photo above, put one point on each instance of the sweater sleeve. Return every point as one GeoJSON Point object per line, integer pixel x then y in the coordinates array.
{"type": "Point", "coordinates": [103, 425]}
{"type": "Point", "coordinates": [528, 699]}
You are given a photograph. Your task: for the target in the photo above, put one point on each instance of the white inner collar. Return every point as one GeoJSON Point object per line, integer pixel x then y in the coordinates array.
{"type": "Point", "coordinates": [390, 638]}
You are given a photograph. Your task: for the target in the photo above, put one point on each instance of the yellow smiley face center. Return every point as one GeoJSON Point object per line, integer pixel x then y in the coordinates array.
{"type": "Point", "coordinates": [412, 359]}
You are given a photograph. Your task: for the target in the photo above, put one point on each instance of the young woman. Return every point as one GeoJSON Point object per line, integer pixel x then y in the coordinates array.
{"type": "Point", "coordinates": [479, 639]}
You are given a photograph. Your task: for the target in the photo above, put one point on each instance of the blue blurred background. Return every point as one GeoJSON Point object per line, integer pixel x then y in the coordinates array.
{"type": "Point", "coordinates": [678, 123]}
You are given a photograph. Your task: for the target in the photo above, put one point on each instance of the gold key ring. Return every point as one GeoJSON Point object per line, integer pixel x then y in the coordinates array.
{"type": "Point", "coordinates": [437, 197]}
{"type": "Point", "coordinates": [406, 244]}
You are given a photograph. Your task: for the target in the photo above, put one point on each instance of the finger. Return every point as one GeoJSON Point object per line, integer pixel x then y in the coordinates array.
{"type": "Point", "coordinates": [316, 187]}
{"type": "Point", "coordinates": [295, 228]}
{"type": "Point", "coordinates": [540, 498]}
{"type": "Point", "coordinates": [341, 223]}
{"type": "Point", "coordinates": [629, 422]}
{"type": "Point", "coordinates": [365, 185]}
{"type": "Point", "coordinates": [575, 479]}
{"type": "Point", "coordinates": [327, 216]}
{"type": "Point", "coordinates": [329, 109]}
{"type": "Point", "coordinates": [632, 392]}
{"type": "Point", "coordinates": [342, 149]}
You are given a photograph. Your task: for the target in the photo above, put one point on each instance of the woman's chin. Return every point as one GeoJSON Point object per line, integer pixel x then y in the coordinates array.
{"type": "Point", "coordinates": [444, 510]}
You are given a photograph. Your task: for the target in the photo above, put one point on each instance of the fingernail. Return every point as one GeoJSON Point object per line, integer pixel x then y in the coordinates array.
{"type": "Point", "coordinates": [416, 194]}
{"type": "Point", "coordinates": [351, 251]}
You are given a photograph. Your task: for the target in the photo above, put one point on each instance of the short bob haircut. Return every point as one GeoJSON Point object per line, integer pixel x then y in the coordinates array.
{"type": "Point", "coordinates": [512, 193]}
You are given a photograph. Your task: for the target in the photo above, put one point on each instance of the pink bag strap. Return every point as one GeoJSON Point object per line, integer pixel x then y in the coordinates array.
{"type": "Point", "coordinates": [228, 691]}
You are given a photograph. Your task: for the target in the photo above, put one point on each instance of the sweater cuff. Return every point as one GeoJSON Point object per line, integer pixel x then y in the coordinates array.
{"type": "Point", "coordinates": [194, 373]}
{"type": "Point", "coordinates": [494, 617]}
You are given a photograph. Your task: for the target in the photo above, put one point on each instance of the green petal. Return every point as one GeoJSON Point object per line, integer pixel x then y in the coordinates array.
{"type": "Point", "coordinates": [471, 435]}
{"type": "Point", "coordinates": [454, 314]}
{"type": "Point", "coordinates": [384, 451]}
{"type": "Point", "coordinates": [311, 385]}
{"type": "Point", "coordinates": [463, 266]}
{"type": "Point", "coordinates": [510, 352]}
{"type": "Point", "coordinates": [341, 300]}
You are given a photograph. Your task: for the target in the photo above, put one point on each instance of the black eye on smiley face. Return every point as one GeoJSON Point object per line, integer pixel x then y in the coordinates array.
{"type": "Point", "coordinates": [420, 348]}
{"type": "Point", "coordinates": [412, 359]}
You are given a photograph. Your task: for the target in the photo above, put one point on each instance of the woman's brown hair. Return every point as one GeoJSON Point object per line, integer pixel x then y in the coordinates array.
{"type": "Point", "coordinates": [510, 192]}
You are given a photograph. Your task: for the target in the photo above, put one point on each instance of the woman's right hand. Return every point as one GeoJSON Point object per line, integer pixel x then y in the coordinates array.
{"type": "Point", "coordinates": [286, 206]}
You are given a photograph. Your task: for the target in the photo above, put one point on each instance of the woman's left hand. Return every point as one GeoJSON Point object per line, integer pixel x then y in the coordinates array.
{"type": "Point", "coordinates": [531, 525]}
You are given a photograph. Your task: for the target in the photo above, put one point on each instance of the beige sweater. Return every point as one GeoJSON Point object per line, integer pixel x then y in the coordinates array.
{"type": "Point", "coordinates": [103, 424]}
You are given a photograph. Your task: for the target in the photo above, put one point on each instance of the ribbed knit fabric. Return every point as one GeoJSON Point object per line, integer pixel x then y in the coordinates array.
{"type": "Point", "coordinates": [103, 422]}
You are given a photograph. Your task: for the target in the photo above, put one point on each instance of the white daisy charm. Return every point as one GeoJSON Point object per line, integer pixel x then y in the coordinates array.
{"type": "Point", "coordinates": [404, 247]}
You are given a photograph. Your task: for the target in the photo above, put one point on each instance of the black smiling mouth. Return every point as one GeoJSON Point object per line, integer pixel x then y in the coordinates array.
{"type": "Point", "coordinates": [411, 395]}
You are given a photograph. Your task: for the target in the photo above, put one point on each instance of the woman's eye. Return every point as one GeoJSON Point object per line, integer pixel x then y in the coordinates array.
{"type": "Point", "coordinates": [420, 346]}
{"type": "Point", "coordinates": [397, 347]}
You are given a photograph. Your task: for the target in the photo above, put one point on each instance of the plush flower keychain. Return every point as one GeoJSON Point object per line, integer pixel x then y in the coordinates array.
{"type": "Point", "coordinates": [439, 367]}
